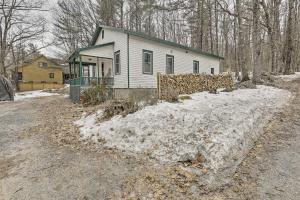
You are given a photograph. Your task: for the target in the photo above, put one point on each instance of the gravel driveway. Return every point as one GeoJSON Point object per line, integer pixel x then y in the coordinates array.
{"type": "Point", "coordinates": [33, 168]}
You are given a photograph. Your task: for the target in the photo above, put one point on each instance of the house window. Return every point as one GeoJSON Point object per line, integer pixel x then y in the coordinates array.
{"type": "Point", "coordinates": [117, 63]}
{"type": "Point", "coordinates": [20, 76]}
{"type": "Point", "coordinates": [196, 67]}
{"type": "Point", "coordinates": [103, 34]}
{"type": "Point", "coordinates": [147, 62]}
{"type": "Point", "coordinates": [170, 65]}
{"type": "Point", "coordinates": [212, 70]}
{"type": "Point", "coordinates": [43, 64]}
{"type": "Point", "coordinates": [51, 75]}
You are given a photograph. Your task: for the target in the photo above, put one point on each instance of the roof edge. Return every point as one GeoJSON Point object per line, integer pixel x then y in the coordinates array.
{"type": "Point", "coordinates": [95, 46]}
{"type": "Point", "coordinates": [88, 48]}
{"type": "Point", "coordinates": [155, 39]}
{"type": "Point", "coordinates": [39, 57]}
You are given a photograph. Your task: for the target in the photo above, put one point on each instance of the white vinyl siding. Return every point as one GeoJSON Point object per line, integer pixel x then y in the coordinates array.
{"type": "Point", "coordinates": [120, 39]}
{"type": "Point", "coordinates": [104, 52]}
{"type": "Point", "coordinates": [182, 65]}
{"type": "Point", "coordinates": [183, 60]}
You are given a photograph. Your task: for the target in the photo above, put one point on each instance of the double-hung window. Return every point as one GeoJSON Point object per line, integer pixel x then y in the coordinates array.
{"type": "Point", "coordinates": [170, 65]}
{"type": "Point", "coordinates": [117, 63]}
{"type": "Point", "coordinates": [196, 67]}
{"type": "Point", "coordinates": [147, 62]}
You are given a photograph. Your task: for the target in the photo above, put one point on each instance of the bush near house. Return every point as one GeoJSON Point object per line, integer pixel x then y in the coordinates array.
{"type": "Point", "coordinates": [95, 95]}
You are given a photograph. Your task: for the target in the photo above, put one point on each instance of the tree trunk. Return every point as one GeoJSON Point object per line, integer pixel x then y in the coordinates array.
{"type": "Point", "coordinates": [241, 45]}
{"type": "Point", "coordinates": [256, 43]}
{"type": "Point", "coordinates": [289, 39]}
{"type": "Point", "coordinates": [217, 28]}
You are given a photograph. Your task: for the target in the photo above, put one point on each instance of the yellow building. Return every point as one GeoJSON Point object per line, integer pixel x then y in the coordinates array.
{"type": "Point", "coordinates": [40, 73]}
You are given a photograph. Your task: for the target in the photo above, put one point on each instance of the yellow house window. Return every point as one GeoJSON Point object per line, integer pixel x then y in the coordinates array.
{"type": "Point", "coordinates": [51, 75]}
{"type": "Point", "coordinates": [43, 64]}
{"type": "Point", "coordinates": [20, 76]}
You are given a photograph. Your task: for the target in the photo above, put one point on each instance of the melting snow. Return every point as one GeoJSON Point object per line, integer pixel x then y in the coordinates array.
{"type": "Point", "coordinates": [290, 77]}
{"type": "Point", "coordinates": [32, 94]}
{"type": "Point", "coordinates": [222, 127]}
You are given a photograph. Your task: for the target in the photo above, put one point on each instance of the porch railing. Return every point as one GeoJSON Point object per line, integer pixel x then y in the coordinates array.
{"type": "Point", "coordinates": [87, 81]}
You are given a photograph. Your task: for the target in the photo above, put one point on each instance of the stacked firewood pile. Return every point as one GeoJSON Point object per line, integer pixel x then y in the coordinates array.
{"type": "Point", "coordinates": [174, 85]}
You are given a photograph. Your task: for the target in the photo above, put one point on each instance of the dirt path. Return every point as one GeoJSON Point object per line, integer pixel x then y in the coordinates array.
{"type": "Point", "coordinates": [33, 168]}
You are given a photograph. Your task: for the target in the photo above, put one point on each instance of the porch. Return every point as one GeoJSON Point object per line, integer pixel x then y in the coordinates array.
{"type": "Point", "coordinates": [90, 70]}
{"type": "Point", "coordinates": [91, 66]}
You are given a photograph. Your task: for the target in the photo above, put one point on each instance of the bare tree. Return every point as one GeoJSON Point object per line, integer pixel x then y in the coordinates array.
{"type": "Point", "coordinates": [288, 48]}
{"type": "Point", "coordinates": [16, 26]}
{"type": "Point", "coordinates": [263, 37]}
{"type": "Point", "coordinates": [75, 23]}
{"type": "Point", "coordinates": [256, 42]}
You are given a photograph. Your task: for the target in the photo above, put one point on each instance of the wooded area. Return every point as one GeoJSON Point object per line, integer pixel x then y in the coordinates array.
{"type": "Point", "coordinates": [253, 36]}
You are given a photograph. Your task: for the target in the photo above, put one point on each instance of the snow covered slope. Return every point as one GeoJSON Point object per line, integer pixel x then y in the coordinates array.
{"type": "Point", "coordinates": [221, 127]}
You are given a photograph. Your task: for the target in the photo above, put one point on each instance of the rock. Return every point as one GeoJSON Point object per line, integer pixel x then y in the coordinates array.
{"type": "Point", "coordinates": [6, 89]}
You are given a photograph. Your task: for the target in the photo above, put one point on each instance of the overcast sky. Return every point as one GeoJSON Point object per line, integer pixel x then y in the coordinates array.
{"type": "Point", "coordinates": [50, 4]}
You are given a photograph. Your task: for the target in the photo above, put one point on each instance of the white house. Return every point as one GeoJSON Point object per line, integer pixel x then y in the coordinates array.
{"type": "Point", "coordinates": [130, 60]}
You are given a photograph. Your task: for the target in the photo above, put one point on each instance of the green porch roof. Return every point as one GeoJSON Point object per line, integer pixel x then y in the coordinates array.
{"type": "Point", "coordinates": [147, 37]}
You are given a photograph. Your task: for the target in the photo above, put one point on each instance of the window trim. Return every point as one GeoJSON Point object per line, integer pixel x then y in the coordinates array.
{"type": "Point", "coordinates": [173, 67]}
{"type": "Point", "coordinates": [41, 64]}
{"type": "Point", "coordinates": [51, 76]}
{"type": "Point", "coordinates": [151, 66]}
{"type": "Point", "coordinates": [115, 66]}
{"type": "Point", "coordinates": [198, 70]}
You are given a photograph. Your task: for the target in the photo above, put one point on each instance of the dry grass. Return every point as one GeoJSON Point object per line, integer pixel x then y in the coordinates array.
{"type": "Point", "coordinates": [120, 107]}
{"type": "Point", "coordinates": [95, 95]}
{"type": "Point", "coordinates": [184, 97]}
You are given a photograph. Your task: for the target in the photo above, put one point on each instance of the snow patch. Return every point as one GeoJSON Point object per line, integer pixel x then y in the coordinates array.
{"type": "Point", "coordinates": [32, 94]}
{"type": "Point", "coordinates": [290, 77]}
{"type": "Point", "coordinates": [222, 127]}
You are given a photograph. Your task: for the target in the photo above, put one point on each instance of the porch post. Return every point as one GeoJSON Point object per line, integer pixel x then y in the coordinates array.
{"type": "Point", "coordinates": [70, 68]}
{"type": "Point", "coordinates": [89, 75]}
{"type": "Point", "coordinates": [98, 71]}
{"type": "Point", "coordinates": [74, 68]}
{"type": "Point", "coordinates": [80, 70]}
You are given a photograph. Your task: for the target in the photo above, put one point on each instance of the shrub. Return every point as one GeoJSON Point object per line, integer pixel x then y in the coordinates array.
{"type": "Point", "coordinates": [119, 107]}
{"type": "Point", "coordinates": [95, 95]}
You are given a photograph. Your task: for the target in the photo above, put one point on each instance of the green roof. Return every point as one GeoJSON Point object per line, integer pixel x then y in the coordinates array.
{"type": "Point", "coordinates": [147, 37]}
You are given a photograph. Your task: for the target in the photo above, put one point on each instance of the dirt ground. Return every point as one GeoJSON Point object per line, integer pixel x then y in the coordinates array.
{"type": "Point", "coordinates": [41, 157]}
